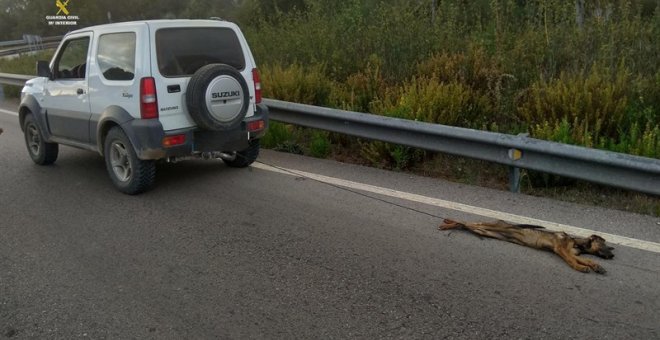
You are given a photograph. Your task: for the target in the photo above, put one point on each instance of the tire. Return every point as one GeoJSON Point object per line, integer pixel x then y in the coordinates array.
{"type": "Point", "coordinates": [41, 152]}
{"type": "Point", "coordinates": [217, 97]}
{"type": "Point", "coordinates": [128, 173]}
{"type": "Point", "coordinates": [246, 157]}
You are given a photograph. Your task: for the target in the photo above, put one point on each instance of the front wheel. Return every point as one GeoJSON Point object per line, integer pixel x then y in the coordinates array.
{"type": "Point", "coordinates": [246, 157]}
{"type": "Point", "coordinates": [41, 152]}
{"type": "Point", "coordinates": [128, 173]}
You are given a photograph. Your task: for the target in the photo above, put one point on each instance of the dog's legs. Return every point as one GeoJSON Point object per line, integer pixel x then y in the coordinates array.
{"type": "Point", "coordinates": [591, 264]}
{"type": "Point", "coordinates": [570, 258]}
{"type": "Point", "coordinates": [565, 249]}
{"type": "Point", "coordinates": [563, 246]}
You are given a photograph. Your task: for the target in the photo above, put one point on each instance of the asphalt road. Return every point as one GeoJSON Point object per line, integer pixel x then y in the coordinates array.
{"type": "Point", "coordinates": [214, 252]}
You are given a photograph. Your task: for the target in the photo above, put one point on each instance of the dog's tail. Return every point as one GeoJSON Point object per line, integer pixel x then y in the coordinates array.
{"type": "Point", "coordinates": [451, 224]}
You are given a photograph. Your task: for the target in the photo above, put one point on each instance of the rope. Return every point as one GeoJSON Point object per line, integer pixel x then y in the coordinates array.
{"type": "Point", "coordinates": [358, 193]}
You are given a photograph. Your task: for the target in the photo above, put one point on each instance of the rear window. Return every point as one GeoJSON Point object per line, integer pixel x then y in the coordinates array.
{"type": "Point", "coordinates": [182, 51]}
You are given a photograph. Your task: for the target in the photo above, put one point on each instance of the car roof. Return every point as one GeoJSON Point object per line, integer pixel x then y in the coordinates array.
{"type": "Point", "coordinates": [158, 24]}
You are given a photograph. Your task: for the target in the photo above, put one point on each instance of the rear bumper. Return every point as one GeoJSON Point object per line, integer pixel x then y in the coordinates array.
{"type": "Point", "coordinates": [147, 136]}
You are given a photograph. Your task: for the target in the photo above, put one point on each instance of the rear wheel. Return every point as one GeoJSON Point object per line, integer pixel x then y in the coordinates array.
{"type": "Point", "coordinates": [41, 152]}
{"type": "Point", "coordinates": [246, 157]}
{"type": "Point", "coordinates": [128, 173]}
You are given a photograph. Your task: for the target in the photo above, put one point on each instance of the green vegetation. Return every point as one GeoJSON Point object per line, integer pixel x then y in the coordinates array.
{"type": "Point", "coordinates": [24, 64]}
{"type": "Point", "coordinates": [588, 78]}
{"type": "Point", "coordinates": [578, 72]}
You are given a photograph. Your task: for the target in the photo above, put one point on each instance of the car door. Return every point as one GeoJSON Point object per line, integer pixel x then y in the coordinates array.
{"type": "Point", "coordinates": [66, 96]}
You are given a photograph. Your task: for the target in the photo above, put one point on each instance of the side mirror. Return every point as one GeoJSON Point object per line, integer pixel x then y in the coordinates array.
{"type": "Point", "coordinates": [43, 69]}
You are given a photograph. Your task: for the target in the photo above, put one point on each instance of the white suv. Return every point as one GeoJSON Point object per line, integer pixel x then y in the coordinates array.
{"type": "Point", "coordinates": [137, 92]}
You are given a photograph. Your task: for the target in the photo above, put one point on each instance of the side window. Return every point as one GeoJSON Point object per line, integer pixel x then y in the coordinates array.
{"type": "Point", "coordinates": [72, 62]}
{"type": "Point", "coordinates": [116, 56]}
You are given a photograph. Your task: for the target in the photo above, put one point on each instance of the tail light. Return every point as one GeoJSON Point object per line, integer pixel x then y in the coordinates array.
{"type": "Point", "coordinates": [175, 140]}
{"type": "Point", "coordinates": [256, 125]}
{"type": "Point", "coordinates": [256, 78]}
{"type": "Point", "coordinates": [148, 99]}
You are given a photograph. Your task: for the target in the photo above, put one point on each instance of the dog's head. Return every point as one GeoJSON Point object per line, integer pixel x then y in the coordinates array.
{"type": "Point", "coordinates": [595, 245]}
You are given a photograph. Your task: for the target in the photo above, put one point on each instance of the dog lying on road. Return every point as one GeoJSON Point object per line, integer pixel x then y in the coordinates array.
{"type": "Point", "coordinates": [566, 246]}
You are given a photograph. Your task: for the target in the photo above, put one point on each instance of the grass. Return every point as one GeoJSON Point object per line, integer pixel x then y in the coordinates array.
{"type": "Point", "coordinates": [25, 63]}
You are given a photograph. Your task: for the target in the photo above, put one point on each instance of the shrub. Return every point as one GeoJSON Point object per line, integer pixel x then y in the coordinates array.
{"type": "Point", "coordinates": [295, 83]}
{"type": "Point", "coordinates": [636, 141]}
{"type": "Point", "coordinates": [319, 145]}
{"type": "Point", "coordinates": [277, 135]}
{"type": "Point", "coordinates": [433, 101]}
{"type": "Point", "coordinates": [361, 90]}
{"type": "Point", "coordinates": [594, 103]}
{"type": "Point", "coordinates": [488, 85]}
{"type": "Point", "coordinates": [387, 155]}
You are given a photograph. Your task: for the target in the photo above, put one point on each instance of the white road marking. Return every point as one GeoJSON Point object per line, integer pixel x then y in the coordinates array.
{"type": "Point", "coordinates": [611, 238]}
{"type": "Point", "coordinates": [9, 112]}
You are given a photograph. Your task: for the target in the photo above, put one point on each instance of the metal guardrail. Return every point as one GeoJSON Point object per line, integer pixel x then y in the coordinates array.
{"type": "Point", "coordinates": [14, 79]}
{"type": "Point", "coordinates": [27, 44]}
{"type": "Point", "coordinates": [609, 168]}
{"type": "Point", "coordinates": [12, 43]}
{"type": "Point", "coordinates": [28, 39]}
{"type": "Point", "coordinates": [24, 49]}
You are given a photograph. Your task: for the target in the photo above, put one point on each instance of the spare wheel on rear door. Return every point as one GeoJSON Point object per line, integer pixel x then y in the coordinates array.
{"type": "Point", "coordinates": [217, 97]}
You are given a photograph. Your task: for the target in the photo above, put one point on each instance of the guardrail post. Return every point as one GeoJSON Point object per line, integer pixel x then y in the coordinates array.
{"type": "Point", "coordinates": [514, 172]}
{"type": "Point", "coordinates": [514, 179]}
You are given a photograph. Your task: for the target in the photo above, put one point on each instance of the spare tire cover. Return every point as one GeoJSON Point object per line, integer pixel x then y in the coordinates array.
{"type": "Point", "coordinates": [217, 97]}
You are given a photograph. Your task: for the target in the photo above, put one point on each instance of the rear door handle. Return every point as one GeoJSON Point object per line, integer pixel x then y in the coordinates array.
{"type": "Point", "coordinates": [80, 91]}
{"type": "Point", "coordinates": [173, 88]}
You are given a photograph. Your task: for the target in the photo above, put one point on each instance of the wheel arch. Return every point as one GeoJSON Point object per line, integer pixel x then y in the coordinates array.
{"type": "Point", "coordinates": [145, 135]}
{"type": "Point", "coordinates": [30, 105]}
{"type": "Point", "coordinates": [111, 117]}
{"type": "Point", "coordinates": [23, 111]}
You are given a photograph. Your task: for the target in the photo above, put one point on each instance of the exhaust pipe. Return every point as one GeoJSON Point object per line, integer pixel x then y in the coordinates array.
{"type": "Point", "coordinates": [227, 156]}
